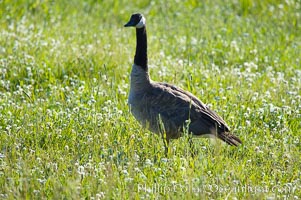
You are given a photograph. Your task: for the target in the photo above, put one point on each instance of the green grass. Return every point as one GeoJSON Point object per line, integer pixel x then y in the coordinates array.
{"type": "Point", "coordinates": [65, 127]}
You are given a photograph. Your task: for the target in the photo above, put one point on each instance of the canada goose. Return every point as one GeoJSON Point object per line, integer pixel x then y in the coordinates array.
{"type": "Point", "coordinates": [153, 103]}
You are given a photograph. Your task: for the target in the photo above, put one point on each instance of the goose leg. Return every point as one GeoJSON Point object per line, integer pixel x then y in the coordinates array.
{"type": "Point", "coordinates": [166, 143]}
{"type": "Point", "coordinates": [193, 151]}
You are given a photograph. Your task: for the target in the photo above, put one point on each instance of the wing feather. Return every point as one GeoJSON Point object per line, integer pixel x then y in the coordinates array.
{"type": "Point", "coordinates": [175, 106]}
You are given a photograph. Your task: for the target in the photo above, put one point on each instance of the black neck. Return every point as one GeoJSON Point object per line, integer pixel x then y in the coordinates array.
{"type": "Point", "coordinates": [141, 48]}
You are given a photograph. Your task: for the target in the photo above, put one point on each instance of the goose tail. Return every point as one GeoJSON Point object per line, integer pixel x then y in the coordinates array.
{"type": "Point", "coordinates": [229, 138]}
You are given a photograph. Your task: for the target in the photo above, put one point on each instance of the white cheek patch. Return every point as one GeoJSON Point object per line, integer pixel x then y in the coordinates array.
{"type": "Point", "coordinates": [141, 23]}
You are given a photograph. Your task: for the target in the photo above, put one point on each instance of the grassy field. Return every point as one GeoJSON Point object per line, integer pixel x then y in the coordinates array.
{"type": "Point", "coordinates": [65, 127]}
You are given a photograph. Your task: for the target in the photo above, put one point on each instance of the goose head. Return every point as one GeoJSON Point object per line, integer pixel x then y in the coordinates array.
{"type": "Point", "coordinates": [137, 20]}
